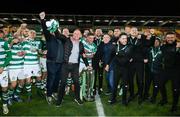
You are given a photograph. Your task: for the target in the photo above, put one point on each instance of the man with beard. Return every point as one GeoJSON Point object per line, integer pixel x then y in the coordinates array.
{"type": "Point", "coordinates": [171, 56]}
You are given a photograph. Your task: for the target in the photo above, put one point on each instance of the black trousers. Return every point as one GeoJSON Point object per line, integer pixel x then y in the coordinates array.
{"type": "Point", "coordinates": [156, 79]}
{"type": "Point", "coordinates": [173, 76]}
{"type": "Point", "coordinates": [138, 69]}
{"type": "Point", "coordinates": [147, 80]}
{"type": "Point", "coordinates": [74, 70]}
{"type": "Point", "coordinates": [53, 77]}
{"type": "Point", "coordinates": [120, 72]}
{"type": "Point", "coordinates": [99, 76]}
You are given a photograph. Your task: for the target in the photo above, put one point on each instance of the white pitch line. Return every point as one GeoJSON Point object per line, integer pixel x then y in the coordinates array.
{"type": "Point", "coordinates": [99, 106]}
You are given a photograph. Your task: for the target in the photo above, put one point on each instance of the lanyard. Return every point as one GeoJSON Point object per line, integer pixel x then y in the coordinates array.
{"type": "Point", "coordinates": [98, 41]}
{"type": "Point", "coordinates": [135, 41]}
{"type": "Point", "coordinates": [154, 55]}
{"type": "Point", "coordinates": [120, 49]}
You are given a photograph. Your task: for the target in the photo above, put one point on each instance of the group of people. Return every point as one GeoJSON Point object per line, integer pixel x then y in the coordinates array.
{"type": "Point", "coordinates": [22, 57]}
{"type": "Point", "coordinates": [119, 57]}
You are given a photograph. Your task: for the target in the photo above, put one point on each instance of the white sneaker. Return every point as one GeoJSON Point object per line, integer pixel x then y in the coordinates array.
{"type": "Point", "coordinates": [5, 109]}
{"type": "Point", "coordinates": [55, 96]}
{"type": "Point", "coordinates": [49, 100]}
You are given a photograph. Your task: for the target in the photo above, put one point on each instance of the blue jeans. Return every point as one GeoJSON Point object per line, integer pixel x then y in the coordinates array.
{"type": "Point", "coordinates": [53, 76]}
{"type": "Point", "coordinates": [110, 79]}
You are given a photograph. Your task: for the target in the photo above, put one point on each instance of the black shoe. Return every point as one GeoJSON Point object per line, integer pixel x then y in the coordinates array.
{"type": "Point", "coordinates": [130, 98]}
{"type": "Point", "coordinates": [173, 109]}
{"type": "Point", "coordinates": [163, 102]}
{"type": "Point", "coordinates": [136, 95]}
{"type": "Point", "coordinates": [112, 102]}
{"type": "Point", "coordinates": [94, 92]}
{"type": "Point", "coordinates": [125, 103]}
{"type": "Point", "coordinates": [145, 98]}
{"type": "Point", "coordinates": [58, 105]}
{"type": "Point", "coordinates": [152, 100]}
{"type": "Point", "coordinates": [78, 101]}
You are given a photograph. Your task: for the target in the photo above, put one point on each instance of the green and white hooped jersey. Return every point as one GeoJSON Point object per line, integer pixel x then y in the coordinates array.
{"type": "Point", "coordinates": [16, 62]}
{"type": "Point", "coordinates": [10, 37]}
{"type": "Point", "coordinates": [38, 44]}
{"type": "Point", "coordinates": [4, 47]}
{"type": "Point", "coordinates": [31, 50]}
{"type": "Point", "coordinates": [90, 49]}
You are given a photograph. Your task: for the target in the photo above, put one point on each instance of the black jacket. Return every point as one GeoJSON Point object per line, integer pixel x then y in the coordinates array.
{"type": "Point", "coordinates": [138, 54]}
{"type": "Point", "coordinates": [170, 56]}
{"type": "Point", "coordinates": [68, 45]}
{"type": "Point", "coordinates": [104, 52]}
{"type": "Point", "coordinates": [54, 44]}
{"type": "Point", "coordinates": [122, 55]}
{"type": "Point", "coordinates": [96, 58]}
{"type": "Point", "coordinates": [97, 40]}
{"type": "Point", "coordinates": [155, 65]}
{"type": "Point", "coordinates": [147, 45]}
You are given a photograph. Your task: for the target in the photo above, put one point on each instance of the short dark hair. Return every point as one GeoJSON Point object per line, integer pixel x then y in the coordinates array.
{"type": "Point", "coordinates": [123, 34]}
{"type": "Point", "coordinates": [90, 34]}
{"type": "Point", "coordinates": [117, 28]}
{"type": "Point", "coordinates": [170, 33]}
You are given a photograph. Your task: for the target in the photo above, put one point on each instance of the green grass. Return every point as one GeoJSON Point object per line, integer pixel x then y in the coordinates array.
{"type": "Point", "coordinates": [134, 109]}
{"type": "Point", "coordinates": [39, 107]}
